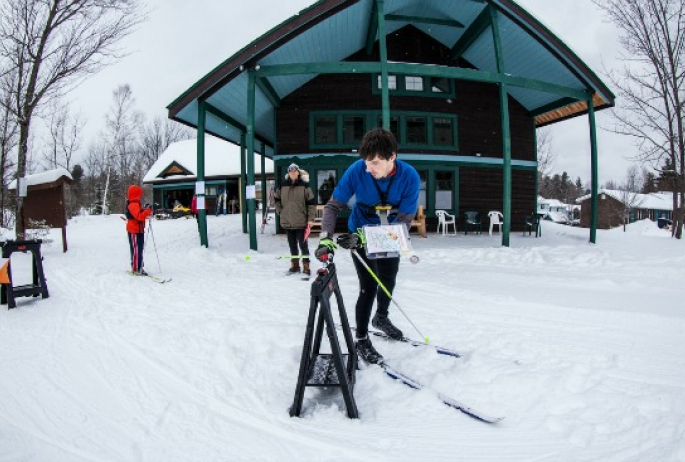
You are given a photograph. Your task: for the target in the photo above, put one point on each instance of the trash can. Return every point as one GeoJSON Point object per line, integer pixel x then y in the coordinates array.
{"type": "Point", "coordinates": [663, 222]}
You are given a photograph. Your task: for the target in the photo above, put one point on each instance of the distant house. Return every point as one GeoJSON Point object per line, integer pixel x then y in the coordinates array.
{"type": "Point", "coordinates": [174, 174]}
{"type": "Point", "coordinates": [551, 205]}
{"type": "Point", "coordinates": [613, 205]}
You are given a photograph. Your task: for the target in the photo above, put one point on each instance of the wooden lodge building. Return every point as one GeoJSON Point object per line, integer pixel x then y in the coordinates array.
{"type": "Point", "coordinates": [463, 84]}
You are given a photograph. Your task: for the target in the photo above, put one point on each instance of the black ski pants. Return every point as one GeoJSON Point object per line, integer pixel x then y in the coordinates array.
{"type": "Point", "coordinates": [295, 239]}
{"type": "Point", "coordinates": [386, 270]}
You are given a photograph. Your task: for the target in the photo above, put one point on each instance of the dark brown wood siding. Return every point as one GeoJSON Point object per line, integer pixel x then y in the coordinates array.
{"type": "Point", "coordinates": [482, 190]}
{"type": "Point", "coordinates": [476, 106]}
{"type": "Point", "coordinates": [609, 212]}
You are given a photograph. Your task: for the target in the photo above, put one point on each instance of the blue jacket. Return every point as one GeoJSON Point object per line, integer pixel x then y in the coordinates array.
{"type": "Point", "coordinates": [401, 189]}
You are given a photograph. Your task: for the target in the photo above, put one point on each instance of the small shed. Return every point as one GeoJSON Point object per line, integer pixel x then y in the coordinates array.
{"type": "Point", "coordinates": [44, 200]}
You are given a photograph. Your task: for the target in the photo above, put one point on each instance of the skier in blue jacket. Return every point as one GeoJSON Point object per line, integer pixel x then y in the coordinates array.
{"type": "Point", "coordinates": [377, 179]}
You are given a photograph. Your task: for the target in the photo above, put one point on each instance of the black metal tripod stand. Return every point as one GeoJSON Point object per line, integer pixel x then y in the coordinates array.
{"type": "Point", "coordinates": [326, 370]}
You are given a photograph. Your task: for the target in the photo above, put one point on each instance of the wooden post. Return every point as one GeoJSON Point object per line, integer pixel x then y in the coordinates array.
{"type": "Point", "coordinates": [506, 134]}
{"type": "Point", "coordinates": [202, 213]}
{"type": "Point", "coordinates": [594, 169]}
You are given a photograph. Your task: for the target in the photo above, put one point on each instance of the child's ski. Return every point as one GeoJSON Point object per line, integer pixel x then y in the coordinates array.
{"type": "Point", "coordinates": [158, 279]}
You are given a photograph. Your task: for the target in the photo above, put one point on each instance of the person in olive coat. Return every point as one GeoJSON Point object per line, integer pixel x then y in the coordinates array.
{"type": "Point", "coordinates": [296, 208]}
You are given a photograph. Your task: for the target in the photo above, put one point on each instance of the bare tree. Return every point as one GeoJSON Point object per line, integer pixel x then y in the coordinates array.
{"type": "Point", "coordinates": [156, 136]}
{"type": "Point", "coordinates": [630, 193]}
{"type": "Point", "coordinates": [9, 131]}
{"type": "Point", "coordinates": [52, 44]}
{"type": "Point", "coordinates": [122, 163]}
{"type": "Point", "coordinates": [63, 138]}
{"type": "Point", "coordinates": [546, 156]}
{"type": "Point", "coordinates": [651, 84]}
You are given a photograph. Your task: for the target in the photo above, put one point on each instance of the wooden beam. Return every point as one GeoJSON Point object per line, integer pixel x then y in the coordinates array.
{"type": "Point", "coordinates": [594, 169]}
{"type": "Point", "coordinates": [561, 102]}
{"type": "Point", "coordinates": [423, 20]}
{"type": "Point", "coordinates": [265, 86]}
{"type": "Point", "coordinates": [200, 174]}
{"type": "Point", "coordinates": [470, 35]}
{"type": "Point", "coordinates": [372, 30]}
{"type": "Point", "coordinates": [385, 91]}
{"type": "Point", "coordinates": [506, 129]}
{"type": "Point", "coordinates": [250, 134]}
{"type": "Point", "coordinates": [459, 73]}
{"type": "Point", "coordinates": [218, 113]}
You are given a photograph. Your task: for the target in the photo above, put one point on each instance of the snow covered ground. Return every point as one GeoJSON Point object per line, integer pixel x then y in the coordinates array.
{"type": "Point", "coordinates": [581, 347]}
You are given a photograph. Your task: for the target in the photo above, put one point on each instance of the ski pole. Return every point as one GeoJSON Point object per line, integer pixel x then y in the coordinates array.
{"type": "Point", "coordinates": [387, 292]}
{"type": "Point", "coordinates": [154, 244]}
{"type": "Point", "coordinates": [291, 257]}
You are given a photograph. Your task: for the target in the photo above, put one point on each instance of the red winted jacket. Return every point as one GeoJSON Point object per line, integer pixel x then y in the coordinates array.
{"type": "Point", "coordinates": [136, 214]}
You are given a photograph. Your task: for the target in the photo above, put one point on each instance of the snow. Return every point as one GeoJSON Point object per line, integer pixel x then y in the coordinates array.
{"type": "Point", "coordinates": [580, 346]}
{"type": "Point", "coordinates": [49, 176]}
{"type": "Point", "coordinates": [221, 158]}
{"type": "Point", "coordinates": [652, 201]}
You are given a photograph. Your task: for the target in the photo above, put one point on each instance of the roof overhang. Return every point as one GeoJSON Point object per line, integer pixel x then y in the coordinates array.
{"type": "Point", "coordinates": [541, 72]}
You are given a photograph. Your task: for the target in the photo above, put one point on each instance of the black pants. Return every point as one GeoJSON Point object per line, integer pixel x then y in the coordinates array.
{"type": "Point", "coordinates": [136, 244]}
{"type": "Point", "coordinates": [386, 270]}
{"type": "Point", "coordinates": [295, 239]}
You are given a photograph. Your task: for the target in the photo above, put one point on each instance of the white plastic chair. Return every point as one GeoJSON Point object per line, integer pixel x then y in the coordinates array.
{"type": "Point", "coordinates": [444, 220]}
{"type": "Point", "coordinates": [496, 219]}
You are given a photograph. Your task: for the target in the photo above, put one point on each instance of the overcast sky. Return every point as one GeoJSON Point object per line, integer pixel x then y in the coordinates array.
{"type": "Point", "coordinates": [182, 41]}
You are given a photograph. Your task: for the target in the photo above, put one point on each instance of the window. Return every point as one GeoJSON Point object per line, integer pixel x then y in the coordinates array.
{"type": "Point", "coordinates": [392, 82]}
{"type": "Point", "coordinates": [324, 130]}
{"type": "Point", "coordinates": [353, 129]}
{"type": "Point", "coordinates": [417, 130]}
{"type": "Point", "coordinates": [443, 132]}
{"type": "Point", "coordinates": [394, 125]}
{"type": "Point", "coordinates": [444, 188]}
{"type": "Point", "coordinates": [440, 85]}
{"type": "Point", "coordinates": [413, 83]}
{"type": "Point", "coordinates": [345, 130]}
{"type": "Point", "coordinates": [325, 184]}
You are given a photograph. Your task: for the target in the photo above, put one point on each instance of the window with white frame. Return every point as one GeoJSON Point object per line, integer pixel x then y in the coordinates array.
{"type": "Point", "coordinates": [413, 83]}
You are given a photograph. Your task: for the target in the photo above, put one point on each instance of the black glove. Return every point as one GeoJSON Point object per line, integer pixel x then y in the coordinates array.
{"type": "Point", "coordinates": [325, 250]}
{"type": "Point", "coordinates": [146, 206]}
{"type": "Point", "coordinates": [349, 241]}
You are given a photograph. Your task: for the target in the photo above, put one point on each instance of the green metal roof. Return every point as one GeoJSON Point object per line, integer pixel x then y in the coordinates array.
{"type": "Point", "coordinates": [543, 74]}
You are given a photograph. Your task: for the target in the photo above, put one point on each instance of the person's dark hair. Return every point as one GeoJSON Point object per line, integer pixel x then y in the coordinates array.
{"type": "Point", "coordinates": [378, 142]}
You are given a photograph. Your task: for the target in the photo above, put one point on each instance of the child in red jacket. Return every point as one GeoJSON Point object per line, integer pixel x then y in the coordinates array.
{"type": "Point", "coordinates": [135, 226]}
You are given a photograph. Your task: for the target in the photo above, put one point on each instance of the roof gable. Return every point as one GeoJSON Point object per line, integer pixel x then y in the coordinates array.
{"type": "Point", "coordinates": [543, 74]}
{"type": "Point", "coordinates": [174, 168]}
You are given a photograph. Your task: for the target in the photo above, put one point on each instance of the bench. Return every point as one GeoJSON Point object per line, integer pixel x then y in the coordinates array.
{"type": "Point", "coordinates": [419, 222]}
{"type": "Point", "coordinates": [316, 227]}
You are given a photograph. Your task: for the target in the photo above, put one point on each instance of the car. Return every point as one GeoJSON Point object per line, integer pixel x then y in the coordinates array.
{"type": "Point", "coordinates": [556, 217]}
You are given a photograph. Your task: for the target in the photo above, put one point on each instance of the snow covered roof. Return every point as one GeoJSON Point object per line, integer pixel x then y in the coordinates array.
{"type": "Point", "coordinates": [653, 201]}
{"type": "Point", "coordinates": [551, 202]}
{"type": "Point", "coordinates": [49, 176]}
{"type": "Point", "coordinates": [221, 159]}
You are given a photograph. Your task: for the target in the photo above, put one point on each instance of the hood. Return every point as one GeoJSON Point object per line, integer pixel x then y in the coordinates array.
{"type": "Point", "coordinates": [135, 192]}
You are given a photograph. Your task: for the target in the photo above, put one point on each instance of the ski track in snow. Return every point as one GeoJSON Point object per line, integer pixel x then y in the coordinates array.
{"type": "Point", "coordinates": [579, 346]}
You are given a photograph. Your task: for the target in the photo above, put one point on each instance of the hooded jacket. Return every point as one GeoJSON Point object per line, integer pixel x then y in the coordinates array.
{"type": "Point", "coordinates": [136, 214]}
{"type": "Point", "coordinates": [295, 204]}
